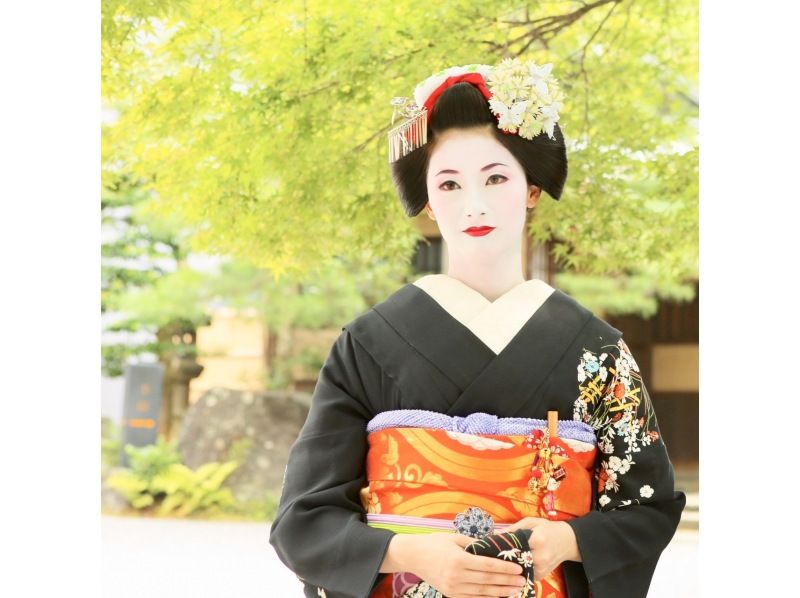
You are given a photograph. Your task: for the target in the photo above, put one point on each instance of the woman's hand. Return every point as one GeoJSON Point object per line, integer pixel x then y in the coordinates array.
{"type": "Point", "coordinates": [440, 559]}
{"type": "Point", "coordinates": [551, 543]}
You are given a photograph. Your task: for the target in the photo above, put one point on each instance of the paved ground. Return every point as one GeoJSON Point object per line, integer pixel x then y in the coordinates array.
{"type": "Point", "coordinates": [154, 558]}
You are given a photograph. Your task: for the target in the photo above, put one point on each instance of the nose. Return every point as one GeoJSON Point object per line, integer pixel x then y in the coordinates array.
{"type": "Point", "coordinates": [476, 204]}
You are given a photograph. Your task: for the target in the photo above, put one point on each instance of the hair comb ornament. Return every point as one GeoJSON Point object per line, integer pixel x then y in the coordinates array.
{"type": "Point", "coordinates": [524, 96]}
{"type": "Point", "coordinates": [410, 135]}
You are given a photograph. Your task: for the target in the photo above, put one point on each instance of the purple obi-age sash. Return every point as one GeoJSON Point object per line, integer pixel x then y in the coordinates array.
{"type": "Point", "coordinates": [476, 423]}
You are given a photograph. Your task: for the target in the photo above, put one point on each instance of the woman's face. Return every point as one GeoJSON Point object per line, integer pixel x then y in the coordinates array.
{"type": "Point", "coordinates": [474, 181]}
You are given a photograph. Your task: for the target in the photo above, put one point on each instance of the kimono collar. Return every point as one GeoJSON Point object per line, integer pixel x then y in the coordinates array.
{"type": "Point", "coordinates": [496, 322]}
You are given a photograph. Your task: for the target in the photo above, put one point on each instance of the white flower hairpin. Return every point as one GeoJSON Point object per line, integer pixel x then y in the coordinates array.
{"type": "Point", "coordinates": [526, 97]}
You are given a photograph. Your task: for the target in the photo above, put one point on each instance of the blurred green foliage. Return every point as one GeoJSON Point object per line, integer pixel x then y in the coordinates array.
{"type": "Point", "coordinates": [144, 276]}
{"type": "Point", "coordinates": [110, 443]}
{"type": "Point", "coordinates": [148, 279]}
{"type": "Point", "coordinates": [156, 482]}
{"type": "Point", "coordinates": [156, 478]}
{"type": "Point", "coordinates": [261, 125]}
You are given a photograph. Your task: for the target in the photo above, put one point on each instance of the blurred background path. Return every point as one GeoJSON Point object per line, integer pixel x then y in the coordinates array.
{"type": "Point", "coordinates": [174, 558]}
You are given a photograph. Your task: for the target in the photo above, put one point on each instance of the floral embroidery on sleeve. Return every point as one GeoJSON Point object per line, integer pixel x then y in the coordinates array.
{"type": "Point", "coordinates": [614, 401]}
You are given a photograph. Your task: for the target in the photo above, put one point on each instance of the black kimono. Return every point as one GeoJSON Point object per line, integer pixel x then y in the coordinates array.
{"type": "Point", "coordinates": [448, 349]}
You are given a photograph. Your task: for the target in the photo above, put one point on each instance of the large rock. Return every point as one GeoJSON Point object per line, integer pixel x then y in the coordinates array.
{"type": "Point", "coordinates": [272, 420]}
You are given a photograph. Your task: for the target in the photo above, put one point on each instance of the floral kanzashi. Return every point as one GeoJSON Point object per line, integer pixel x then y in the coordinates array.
{"type": "Point", "coordinates": [526, 97]}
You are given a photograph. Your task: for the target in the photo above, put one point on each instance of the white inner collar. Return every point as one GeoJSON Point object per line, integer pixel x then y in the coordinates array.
{"type": "Point", "coordinates": [496, 322]}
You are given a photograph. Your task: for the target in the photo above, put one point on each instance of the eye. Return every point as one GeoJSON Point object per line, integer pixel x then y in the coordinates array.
{"type": "Point", "coordinates": [500, 175]}
{"type": "Point", "coordinates": [442, 186]}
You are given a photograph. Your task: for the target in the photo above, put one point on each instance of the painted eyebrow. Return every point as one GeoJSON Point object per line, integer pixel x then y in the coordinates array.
{"type": "Point", "coordinates": [487, 167]}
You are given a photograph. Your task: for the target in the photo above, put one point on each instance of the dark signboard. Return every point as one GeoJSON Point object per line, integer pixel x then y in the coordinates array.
{"type": "Point", "coordinates": [142, 405]}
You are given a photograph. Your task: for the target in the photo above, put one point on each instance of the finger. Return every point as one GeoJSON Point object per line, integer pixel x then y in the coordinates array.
{"type": "Point", "coordinates": [485, 578]}
{"type": "Point", "coordinates": [518, 524]}
{"type": "Point", "coordinates": [490, 564]}
{"type": "Point", "coordinates": [462, 540]}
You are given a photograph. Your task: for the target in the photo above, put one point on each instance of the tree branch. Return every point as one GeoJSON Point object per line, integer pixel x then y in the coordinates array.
{"type": "Point", "coordinates": [369, 139]}
{"type": "Point", "coordinates": [584, 73]}
{"type": "Point", "coordinates": [544, 29]}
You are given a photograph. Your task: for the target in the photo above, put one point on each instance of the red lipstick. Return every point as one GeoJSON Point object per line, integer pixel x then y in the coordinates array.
{"type": "Point", "coordinates": [479, 231]}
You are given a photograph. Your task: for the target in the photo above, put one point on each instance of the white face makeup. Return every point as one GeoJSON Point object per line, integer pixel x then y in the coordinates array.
{"type": "Point", "coordinates": [488, 189]}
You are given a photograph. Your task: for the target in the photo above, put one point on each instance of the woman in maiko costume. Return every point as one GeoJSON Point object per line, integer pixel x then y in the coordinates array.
{"type": "Point", "coordinates": [478, 434]}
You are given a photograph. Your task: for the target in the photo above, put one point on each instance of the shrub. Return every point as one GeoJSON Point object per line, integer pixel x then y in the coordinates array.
{"type": "Point", "coordinates": [156, 478]}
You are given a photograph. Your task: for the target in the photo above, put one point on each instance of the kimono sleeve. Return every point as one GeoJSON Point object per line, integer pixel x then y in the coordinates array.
{"type": "Point", "coordinates": [319, 531]}
{"type": "Point", "coordinates": [637, 509]}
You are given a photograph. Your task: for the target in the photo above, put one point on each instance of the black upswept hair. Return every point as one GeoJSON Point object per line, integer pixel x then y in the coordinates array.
{"type": "Point", "coordinates": [462, 106]}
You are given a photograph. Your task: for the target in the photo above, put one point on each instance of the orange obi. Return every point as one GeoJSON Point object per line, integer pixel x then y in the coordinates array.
{"type": "Point", "coordinates": [420, 478]}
